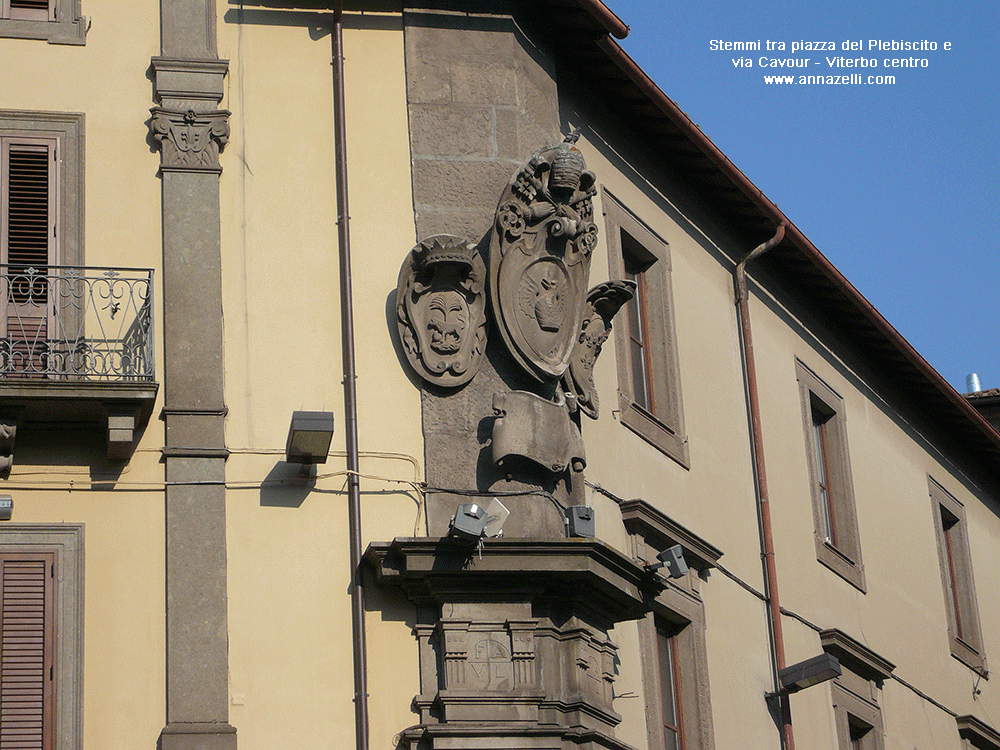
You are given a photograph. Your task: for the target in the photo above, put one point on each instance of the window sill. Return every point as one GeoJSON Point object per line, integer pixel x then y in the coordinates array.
{"type": "Point", "coordinates": [969, 656]}
{"type": "Point", "coordinates": [70, 31]}
{"type": "Point", "coordinates": [655, 432]}
{"type": "Point", "coordinates": [841, 564]}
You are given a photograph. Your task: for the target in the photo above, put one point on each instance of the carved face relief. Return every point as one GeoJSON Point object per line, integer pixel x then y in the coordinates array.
{"type": "Point", "coordinates": [540, 253]}
{"type": "Point", "coordinates": [447, 321]}
{"type": "Point", "coordinates": [441, 310]}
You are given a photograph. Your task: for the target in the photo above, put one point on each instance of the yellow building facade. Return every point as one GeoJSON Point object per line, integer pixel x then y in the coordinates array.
{"type": "Point", "coordinates": [530, 275]}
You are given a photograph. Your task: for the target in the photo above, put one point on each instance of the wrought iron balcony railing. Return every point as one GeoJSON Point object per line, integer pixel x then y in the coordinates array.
{"type": "Point", "coordinates": [76, 323]}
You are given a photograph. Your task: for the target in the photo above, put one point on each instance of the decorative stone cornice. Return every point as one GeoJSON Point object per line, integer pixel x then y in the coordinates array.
{"type": "Point", "coordinates": [855, 656]}
{"type": "Point", "coordinates": [660, 531]}
{"type": "Point", "coordinates": [977, 734]}
{"type": "Point", "coordinates": [184, 79]}
{"type": "Point", "coordinates": [189, 141]}
{"type": "Point", "coordinates": [603, 581]}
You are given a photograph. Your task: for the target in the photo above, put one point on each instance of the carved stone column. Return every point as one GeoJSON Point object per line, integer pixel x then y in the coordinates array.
{"type": "Point", "coordinates": [191, 132]}
{"type": "Point", "coordinates": [514, 646]}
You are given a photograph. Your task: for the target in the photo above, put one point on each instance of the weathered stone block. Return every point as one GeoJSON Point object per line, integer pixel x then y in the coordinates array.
{"type": "Point", "coordinates": [484, 82]}
{"type": "Point", "coordinates": [472, 184]}
{"type": "Point", "coordinates": [442, 131]}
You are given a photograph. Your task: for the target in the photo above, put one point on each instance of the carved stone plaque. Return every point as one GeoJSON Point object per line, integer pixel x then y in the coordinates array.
{"type": "Point", "coordinates": [489, 665]}
{"type": "Point", "coordinates": [441, 310]}
{"type": "Point", "coordinates": [540, 258]}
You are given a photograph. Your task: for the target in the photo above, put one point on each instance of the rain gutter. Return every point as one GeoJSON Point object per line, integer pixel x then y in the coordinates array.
{"type": "Point", "coordinates": [361, 722]}
{"type": "Point", "coordinates": [760, 481]}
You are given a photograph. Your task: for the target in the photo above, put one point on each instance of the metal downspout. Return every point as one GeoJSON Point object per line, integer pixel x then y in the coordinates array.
{"type": "Point", "coordinates": [760, 478]}
{"type": "Point", "coordinates": [350, 389]}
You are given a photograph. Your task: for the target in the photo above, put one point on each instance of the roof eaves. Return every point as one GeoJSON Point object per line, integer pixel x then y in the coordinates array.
{"type": "Point", "coordinates": [793, 234]}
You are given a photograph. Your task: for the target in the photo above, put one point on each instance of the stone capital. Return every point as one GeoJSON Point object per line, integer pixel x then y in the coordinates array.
{"type": "Point", "coordinates": [190, 141]}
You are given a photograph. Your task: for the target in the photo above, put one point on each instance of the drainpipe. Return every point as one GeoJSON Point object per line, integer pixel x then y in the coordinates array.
{"type": "Point", "coordinates": [760, 479]}
{"type": "Point", "coordinates": [350, 389]}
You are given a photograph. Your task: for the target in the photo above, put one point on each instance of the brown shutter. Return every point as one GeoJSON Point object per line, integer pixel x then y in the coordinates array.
{"type": "Point", "coordinates": [29, 242]}
{"type": "Point", "coordinates": [32, 10]}
{"type": "Point", "coordinates": [26, 648]}
{"type": "Point", "coordinates": [29, 218]}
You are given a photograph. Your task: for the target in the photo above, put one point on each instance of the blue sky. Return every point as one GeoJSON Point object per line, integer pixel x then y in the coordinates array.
{"type": "Point", "coordinates": [896, 184]}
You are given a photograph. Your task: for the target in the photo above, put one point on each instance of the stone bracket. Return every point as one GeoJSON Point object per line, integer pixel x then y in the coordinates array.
{"type": "Point", "coordinates": [122, 424]}
{"type": "Point", "coordinates": [9, 419]}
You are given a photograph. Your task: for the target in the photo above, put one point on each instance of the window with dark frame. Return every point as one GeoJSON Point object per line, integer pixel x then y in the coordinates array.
{"type": "Point", "coordinates": [823, 473]}
{"type": "Point", "coordinates": [640, 357]}
{"type": "Point", "coordinates": [855, 692]}
{"type": "Point", "coordinates": [838, 544]}
{"type": "Point", "coordinates": [649, 394]}
{"type": "Point", "coordinates": [672, 637]}
{"type": "Point", "coordinates": [860, 734]}
{"type": "Point", "coordinates": [961, 608]}
{"type": "Point", "coordinates": [670, 680]}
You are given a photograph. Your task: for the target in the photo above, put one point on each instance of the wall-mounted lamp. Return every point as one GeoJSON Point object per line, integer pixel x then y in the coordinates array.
{"type": "Point", "coordinates": [472, 521]}
{"type": "Point", "coordinates": [807, 673]}
{"type": "Point", "coordinates": [469, 523]}
{"type": "Point", "coordinates": [6, 507]}
{"type": "Point", "coordinates": [309, 437]}
{"type": "Point", "coordinates": [673, 560]}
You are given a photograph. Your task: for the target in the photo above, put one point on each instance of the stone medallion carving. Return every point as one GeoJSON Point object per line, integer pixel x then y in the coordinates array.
{"type": "Point", "coordinates": [540, 258]}
{"type": "Point", "coordinates": [603, 303]}
{"type": "Point", "coordinates": [441, 310]}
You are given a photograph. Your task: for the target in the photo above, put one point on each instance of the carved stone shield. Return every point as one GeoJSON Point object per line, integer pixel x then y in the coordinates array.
{"type": "Point", "coordinates": [540, 258]}
{"type": "Point", "coordinates": [441, 310]}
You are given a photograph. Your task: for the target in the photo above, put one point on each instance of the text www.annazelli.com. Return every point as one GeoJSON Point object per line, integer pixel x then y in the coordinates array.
{"type": "Point", "coordinates": [853, 79]}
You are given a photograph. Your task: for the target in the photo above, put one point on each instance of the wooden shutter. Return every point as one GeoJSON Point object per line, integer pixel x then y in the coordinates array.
{"type": "Point", "coordinates": [30, 10]}
{"type": "Point", "coordinates": [27, 594]}
{"type": "Point", "coordinates": [27, 241]}
{"type": "Point", "coordinates": [28, 204]}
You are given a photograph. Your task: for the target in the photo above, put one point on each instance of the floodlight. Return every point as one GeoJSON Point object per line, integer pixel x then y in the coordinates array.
{"type": "Point", "coordinates": [469, 523]}
{"type": "Point", "coordinates": [673, 560]}
{"type": "Point", "coordinates": [808, 673]}
{"type": "Point", "coordinates": [309, 437]}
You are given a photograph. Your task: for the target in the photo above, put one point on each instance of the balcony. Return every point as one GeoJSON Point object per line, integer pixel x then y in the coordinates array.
{"type": "Point", "coordinates": [76, 346]}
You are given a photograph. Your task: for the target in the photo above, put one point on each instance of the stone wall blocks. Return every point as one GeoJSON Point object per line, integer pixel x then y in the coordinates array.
{"type": "Point", "coordinates": [452, 131]}
{"type": "Point", "coordinates": [484, 81]}
{"type": "Point", "coordinates": [474, 184]}
{"type": "Point", "coordinates": [427, 81]}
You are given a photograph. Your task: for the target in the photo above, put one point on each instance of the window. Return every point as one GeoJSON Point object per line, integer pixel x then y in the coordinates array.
{"type": "Point", "coordinates": [27, 580]}
{"type": "Point", "coordinates": [40, 227]}
{"type": "Point", "coordinates": [41, 179]}
{"type": "Point", "coordinates": [672, 637]}
{"type": "Point", "coordinates": [961, 608]}
{"type": "Point", "coordinates": [856, 691]}
{"type": "Point", "coordinates": [668, 661]}
{"type": "Point", "coordinates": [41, 584]}
{"type": "Point", "coordinates": [838, 545]}
{"type": "Point", "coordinates": [57, 21]}
{"type": "Point", "coordinates": [976, 734]}
{"type": "Point", "coordinates": [648, 379]}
